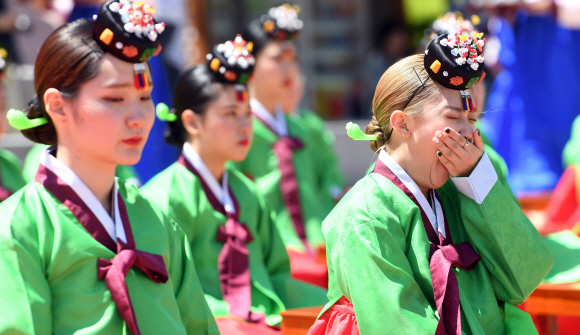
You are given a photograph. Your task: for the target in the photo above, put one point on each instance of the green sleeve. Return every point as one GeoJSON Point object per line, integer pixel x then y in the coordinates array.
{"type": "Point", "coordinates": [25, 307]}
{"type": "Point", "coordinates": [501, 169]}
{"type": "Point", "coordinates": [278, 265]}
{"type": "Point", "coordinates": [571, 153]}
{"type": "Point", "coordinates": [507, 242]}
{"type": "Point", "coordinates": [11, 171]}
{"type": "Point", "coordinates": [129, 174]}
{"type": "Point", "coordinates": [330, 176]}
{"type": "Point", "coordinates": [195, 312]}
{"type": "Point", "coordinates": [370, 267]}
{"type": "Point", "coordinates": [32, 161]}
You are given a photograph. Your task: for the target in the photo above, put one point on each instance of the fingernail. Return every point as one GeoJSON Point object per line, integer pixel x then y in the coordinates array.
{"type": "Point", "coordinates": [436, 140]}
{"type": "Point", "coordinates": [478, 133]}
{"type": "Point", "coordinates": [439, 153]}
{"type": "Point", "coordinates": [447, 130]}
{"type": "Point", "coordinates": [439, 134]}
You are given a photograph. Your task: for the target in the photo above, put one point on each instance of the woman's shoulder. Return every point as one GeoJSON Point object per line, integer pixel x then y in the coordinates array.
{"type": "Point", "coordinates": [24, 212]}
{"type": "Point", "coordinates": [162, 183]}
{"type": "Point", "coordinates": [240, 181]}
{"type": "Point", "coordinates": [9, 158]}
{"type": "Point", "coordinates": [143, 209]}
{"type": "Point", "coordinates": [373, 200]}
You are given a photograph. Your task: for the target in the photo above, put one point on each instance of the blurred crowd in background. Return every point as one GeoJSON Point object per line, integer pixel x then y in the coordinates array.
{"type": "Point", "coordinates": [533, 78]}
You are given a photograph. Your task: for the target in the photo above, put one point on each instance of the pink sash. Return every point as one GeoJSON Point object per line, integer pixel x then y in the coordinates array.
{"type": "Point", "coordinates": [284, 149]}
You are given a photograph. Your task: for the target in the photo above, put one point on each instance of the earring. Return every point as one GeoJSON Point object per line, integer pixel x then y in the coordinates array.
{"type": "Point", "coordinates": [403, 134]}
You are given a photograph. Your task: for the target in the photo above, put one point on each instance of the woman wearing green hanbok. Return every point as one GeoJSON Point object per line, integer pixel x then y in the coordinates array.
{"type": "Point", "coordinates": [239, 256]}
{"type": "Point", "coordinates": [282, 160]}
{"type": "Point", "coordinates": [81, 251]}
{"type": "Point", "coordinates": [430, 242]}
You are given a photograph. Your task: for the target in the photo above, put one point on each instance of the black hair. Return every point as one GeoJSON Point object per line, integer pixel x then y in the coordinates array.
{"type": "Point", "coordinates": [67, 59]}
{"type": "Point", "coordinates": [193, 91]}
{"type": "Point", "coordinates": [255, 33]}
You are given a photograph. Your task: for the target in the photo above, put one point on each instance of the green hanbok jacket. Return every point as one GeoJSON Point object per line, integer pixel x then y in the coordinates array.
{"type": "Point", "coordinates": [333, 181]}
{"type": "Point", "coordinates": [10, 172]}
{"type": "Point", "coordinates": [379, 253]}
{"type": "Point", "coordinates": [262, 166]}
{"type": "Point", "coordinates": [182, 195]}
{"type": "Point", "coordinates": [51, 266]}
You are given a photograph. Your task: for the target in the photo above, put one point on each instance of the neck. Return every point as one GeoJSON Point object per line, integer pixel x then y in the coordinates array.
{"type": "Point", "coordinates": [99, 176]}
{"type": "Point", "coordinates": [270, 106]}
{"type": "Point", "coordinates": [402, 156]}
{"type": "Point", "coordinates": [214, 164]}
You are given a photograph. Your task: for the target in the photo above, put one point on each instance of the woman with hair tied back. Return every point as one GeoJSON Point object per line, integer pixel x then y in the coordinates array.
{"type": "Point", "coordinates": [442, 245]}
{"type": "Point", "coordinates": [284, 164]}
{"type": "Point", "coordinates": [82, 251]}
{"type": "Point", "coordinates": [239, 256]}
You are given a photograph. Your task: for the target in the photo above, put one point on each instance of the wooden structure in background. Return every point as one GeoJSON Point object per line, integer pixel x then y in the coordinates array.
{"type": "Point", "coordinates": [552, 300]}
{"type": "Point", "coordinates": [298, 321]}
{"type": "Point", "coordinates": [198, 13]}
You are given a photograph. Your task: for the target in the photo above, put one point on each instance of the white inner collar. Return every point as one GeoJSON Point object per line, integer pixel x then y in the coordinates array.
{"type": "Point", "coordinates": [277, 122]}
{"type": "Point", "coordinates": [437, 220]}
{"type": "Point", "coordinates": [72, 180]}
{"type": "Point", "coordinates": [219, 191]}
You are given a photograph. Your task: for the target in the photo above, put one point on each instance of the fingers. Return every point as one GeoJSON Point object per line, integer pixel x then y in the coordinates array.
{"type": "Point", "coordinates": [478, 141]}
{"type": "Point", "coordinates": [449, 147]}
{"type": "Point", "coordinates": [456, 153]}
{"type": "Point", "coordinates": [456, 142]}
{"type": "Point", "coordinates": [447, 157]}
{"type": "Point", "coordinates": [446, 162]}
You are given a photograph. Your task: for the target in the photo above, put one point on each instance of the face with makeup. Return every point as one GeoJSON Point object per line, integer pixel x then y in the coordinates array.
{"type": "Point", "coordinates": [108, 120]}
{"type": "Point", "coordinates": [291, 101]}
{"type": "Point", "coordinates": [223, 132]}
{"type": "Point", "coordinates": [436, 140]}
{"type": "Point", "coordinates": [275, 70]}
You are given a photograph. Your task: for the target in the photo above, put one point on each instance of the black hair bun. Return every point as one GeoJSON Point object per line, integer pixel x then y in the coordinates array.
{"type": "Point", "coordinates": [128, 31]}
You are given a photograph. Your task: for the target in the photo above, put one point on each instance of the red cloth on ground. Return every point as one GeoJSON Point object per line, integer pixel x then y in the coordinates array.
{"type": "Point", "coordinates": [338, 319]}
{"type": "Point", "coordinates": [305, 267]}
{"type": "Point", "coordinates": [236, 326]}
{"type": "Point", "coordinates": [563, 211]}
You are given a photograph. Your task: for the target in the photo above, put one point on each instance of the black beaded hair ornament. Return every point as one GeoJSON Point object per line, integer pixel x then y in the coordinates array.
{"type": "Point", "coordinates": [128, 31]}
{"type": "Point", "coordinates": [282, 22]}
{"type": "Point", "coordinates": [456, 62]}
{"type": "Point", "coordinates": [231, 62]}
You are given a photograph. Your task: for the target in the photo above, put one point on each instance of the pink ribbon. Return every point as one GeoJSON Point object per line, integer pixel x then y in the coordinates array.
{"type": "Point", "coordinates": [234, 267]}
{"type": "Point", "coordinates": [233, 259]}
{"type": "Point", "coordinates": [4, 194]}
{"type": "Point", "coordinates": [445, 286]}
{"type": "Point", "coordinates": [115, 271]}
{"type": "Point", "coordinates": [284, 149]}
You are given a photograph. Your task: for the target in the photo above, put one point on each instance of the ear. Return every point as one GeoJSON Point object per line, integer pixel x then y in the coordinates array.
{"type": "Point", "coordinates": [400, 123]}
{"type": "Point", "coordinates": [54, 105]}
{"type": "Point", "coordinates": [191, 122]}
